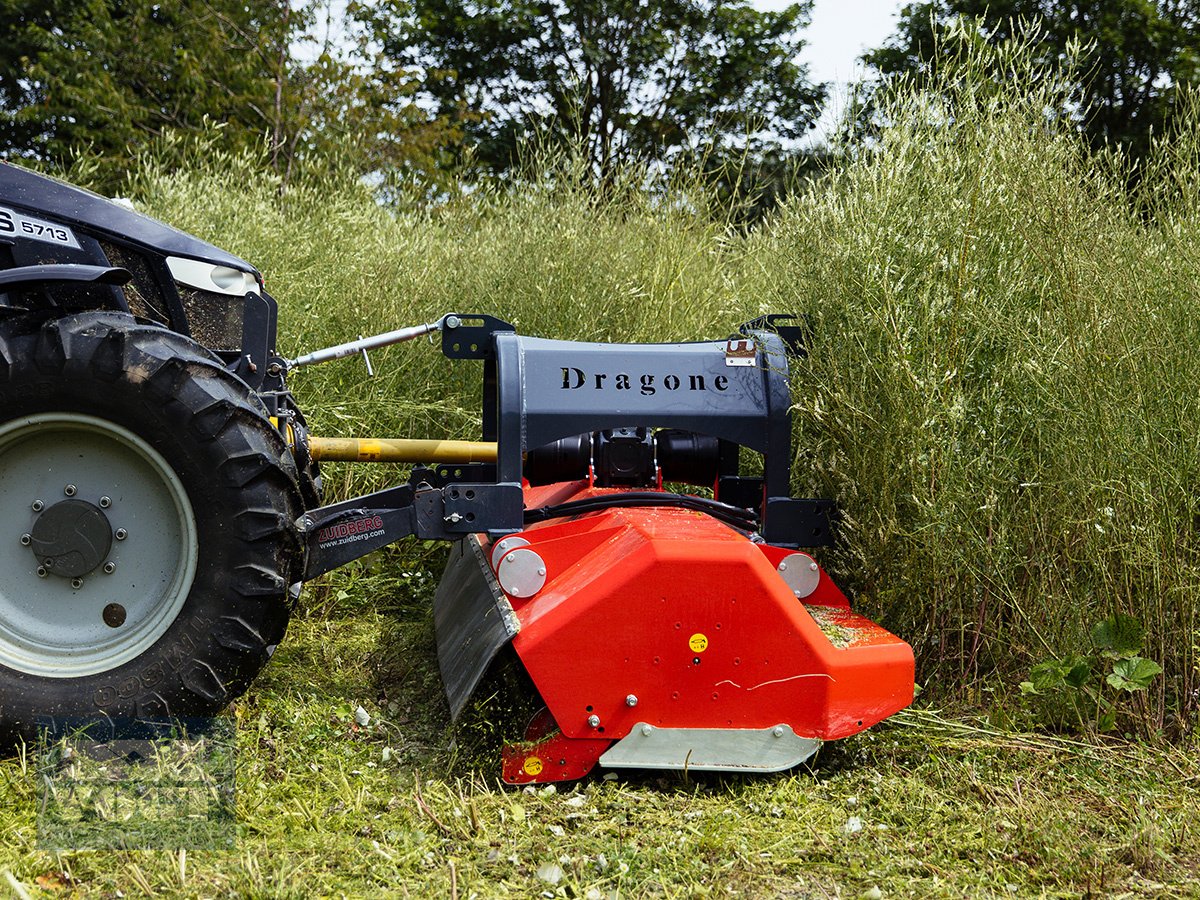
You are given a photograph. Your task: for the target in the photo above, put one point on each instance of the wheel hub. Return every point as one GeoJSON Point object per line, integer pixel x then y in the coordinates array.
{"type": "Point", "coordinates": [71, 538]}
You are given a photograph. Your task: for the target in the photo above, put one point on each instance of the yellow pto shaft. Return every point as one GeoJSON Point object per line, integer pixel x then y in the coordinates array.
{"type": "Point", "coordinates": [400, 450]}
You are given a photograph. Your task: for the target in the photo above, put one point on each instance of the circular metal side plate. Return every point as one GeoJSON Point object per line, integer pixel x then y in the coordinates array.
{"type": "Point", "coordinates": [800, 573]}
{"type": "Point", "coordinates": [503, 545]}
{"type": "Point", "coordinates": [522, 573]}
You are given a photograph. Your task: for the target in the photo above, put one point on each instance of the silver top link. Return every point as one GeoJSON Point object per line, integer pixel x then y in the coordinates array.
{"type": "Point", "coordinates": [362, 345]}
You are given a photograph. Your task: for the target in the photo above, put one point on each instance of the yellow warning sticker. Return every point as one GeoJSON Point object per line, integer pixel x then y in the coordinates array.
{"type": "Point", "coordinates": [698, 642]}
{"type": "Point", "coordinates": [532, 766]}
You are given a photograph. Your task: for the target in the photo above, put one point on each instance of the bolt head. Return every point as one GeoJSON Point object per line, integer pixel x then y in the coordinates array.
{"type": "Point", "coordinates": [26, 539]}
{"type": "Point", "coordinates": [783, 567]}
{"type": "Point", "coordinates": [120, 534]}
{"type": "Point", "coordinates": [452, 322]}
{"type": "Point", "coordinates": [631, 700]}
{"type": "Point", "coordinates": [105, 502]}
{"type": "Point", "coordinates": [42, 572]}
{"type": "Point", "coordinates": [812, 566]}
{"type": "Point", "coordinates": [38, 505]}
{"type": "Point", "coordinates": [109, 568]}
{"type": "Point", "coordinates": [594, 720]}
{"type": "Point", "coordinates": [646, 729]}
{"type": "Point", "coordinates": [77, 583]}
{"type": "Point", "coordinates": [70, 490]}
{"type": "Point", "coordinates": [777, 731]}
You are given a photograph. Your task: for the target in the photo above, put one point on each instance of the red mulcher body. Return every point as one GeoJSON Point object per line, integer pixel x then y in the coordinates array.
{"type": "Point", "coordinates": [662, 638]}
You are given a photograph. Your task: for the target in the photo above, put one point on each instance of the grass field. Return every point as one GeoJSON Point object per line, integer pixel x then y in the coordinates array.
{"type": "Point", "coordinates": [927, 805]}
{"type": "Point", "coordinates": [1001, 395]}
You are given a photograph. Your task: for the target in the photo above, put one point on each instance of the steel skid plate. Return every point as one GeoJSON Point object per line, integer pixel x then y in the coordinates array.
{"type": "Point", "coordinates": [710, 749]}
{"type": "Point", "coordinates": [473, 620]}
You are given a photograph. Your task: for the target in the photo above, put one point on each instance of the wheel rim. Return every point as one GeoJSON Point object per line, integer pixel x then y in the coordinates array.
{"type": "Point", "coordinates": [86, 475]}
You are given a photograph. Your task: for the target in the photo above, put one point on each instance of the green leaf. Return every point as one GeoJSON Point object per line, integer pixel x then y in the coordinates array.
{"type": "Point", "coordinates": [1107, 721]}
{"type": "Point", "coordinates": [1028, 688]}
{"type": "Point", "coordinates": [1133, 674]}
{"type": "Point", "coordinates": [1119, 634]}
{"type": "Point", "coordinates": [1048, 675]}
{"type": "Point", "coordinates": [1080, 673]}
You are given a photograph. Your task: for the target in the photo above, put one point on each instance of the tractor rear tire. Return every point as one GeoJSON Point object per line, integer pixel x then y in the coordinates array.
{"type": "Point", "coordinates": [149, 536]}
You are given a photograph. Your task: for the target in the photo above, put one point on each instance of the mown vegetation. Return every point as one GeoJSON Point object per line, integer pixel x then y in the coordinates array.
{"type": "Point", "coordinates": [1001, 394]}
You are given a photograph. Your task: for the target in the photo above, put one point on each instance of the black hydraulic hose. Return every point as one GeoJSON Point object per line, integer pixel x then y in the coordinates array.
{"type": "Point", "coordinates": [735, 516]}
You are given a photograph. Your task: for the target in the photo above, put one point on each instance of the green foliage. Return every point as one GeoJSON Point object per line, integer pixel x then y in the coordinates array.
{"type": "Point", "coordinates": [1075, 684]}
{"type": "Point", "coordinates": [109, 76]}
{"type": "Point", "coordinates": [625, 81]}
{"type": "Point", "coordinates": [352, 106]}
{"type": "Point", "coordinates": [998, 387]}
{"type": "Point", "coordinates": [104, 81]}
{"type": "Point", "coordinates": [1128, 58]}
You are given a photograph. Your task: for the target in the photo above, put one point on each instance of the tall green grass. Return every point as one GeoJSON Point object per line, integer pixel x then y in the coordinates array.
{"type": "Point", "coordinates": [1002, 386]}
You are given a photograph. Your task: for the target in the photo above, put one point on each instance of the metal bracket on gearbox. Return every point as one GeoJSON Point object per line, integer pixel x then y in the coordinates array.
{"type": "Point", "coordinates": [795, 522]}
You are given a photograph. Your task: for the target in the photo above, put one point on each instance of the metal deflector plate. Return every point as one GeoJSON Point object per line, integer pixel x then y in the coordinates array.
{"type": "Point", "coordinates": [473, 620]}
{"type": "Point", "coordinates": [710, 749]}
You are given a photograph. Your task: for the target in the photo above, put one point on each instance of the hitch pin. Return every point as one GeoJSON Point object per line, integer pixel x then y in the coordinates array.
{"type": "Point", "coordinates": [362, 345]}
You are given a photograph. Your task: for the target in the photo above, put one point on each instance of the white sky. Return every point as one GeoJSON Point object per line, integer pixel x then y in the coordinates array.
{"type": "Point", "coordinates": [840, 31]}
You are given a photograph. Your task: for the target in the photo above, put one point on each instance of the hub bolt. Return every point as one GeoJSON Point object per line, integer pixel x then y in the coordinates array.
{"type": "Point", "coordinates": [594, 720]}
{"type": "Point", "coordinates": [42, 572]}
{"type": "Point", "coordinates": [77, 583]}
{"type": "Point", "coordinates": [25, 539]}
{"type": "Point", "coordinates": [70, 490]}
{"type": "Point", "coordinates": [38, 505]}
{"type": "Point", "coordinates": [120, 534]}
{"type": "Point", "coordinates": [105, 502]}
{"type": "Point", "coordinates": [109, 568]}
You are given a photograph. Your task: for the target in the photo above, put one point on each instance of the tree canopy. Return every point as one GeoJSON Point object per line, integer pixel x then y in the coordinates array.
{"type": "Point", "coordinates": [109, 77]}
{"type": "Point", "coordinates": [111, 74]}
{"type": "Point", "coordinates": [1135, 54]}
{"type": "Point", "coordinates": [622, 79]}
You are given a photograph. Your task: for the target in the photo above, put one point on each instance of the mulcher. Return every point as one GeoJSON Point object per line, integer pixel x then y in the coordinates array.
{"type": "Point", "coordinates": [162, 504]}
